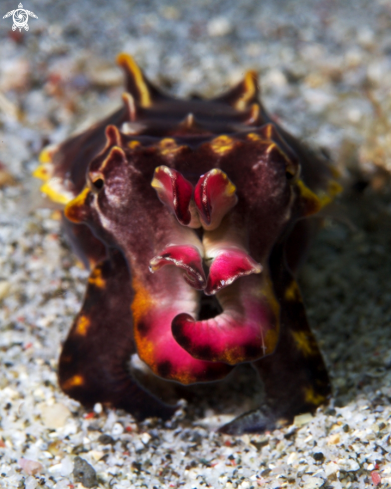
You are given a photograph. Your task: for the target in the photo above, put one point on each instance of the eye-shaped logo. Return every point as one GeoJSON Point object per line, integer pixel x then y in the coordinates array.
{"type": "Point", "coordinates": [20, 17]}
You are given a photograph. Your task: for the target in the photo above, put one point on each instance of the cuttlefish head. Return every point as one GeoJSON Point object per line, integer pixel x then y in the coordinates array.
{"type": "Point", "coordinates": [196, 221]}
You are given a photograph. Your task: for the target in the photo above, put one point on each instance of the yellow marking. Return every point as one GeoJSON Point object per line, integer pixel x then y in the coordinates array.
{"type": "Point", "coordinates": [74, 381]}
{"type": "Point", "coordinates": [168, 147]}
{"type": "Point", "coordinates": [230, 188]}
{"type": "Point", "coordinates": [45, 169]}
{"type": "Point", "coordinates": [254, 114]}
{"type": "Point", "coordinates": [222, 144]}
{"type": "Point", "coordinates": [269, 131]}
{"type": "Point", "coordinates": [303, 343]}
{"type": "Point", "coordinates": [185, 378]}
{"type": "Point", "coordinates": [334, 188]}
{"type": "Point", "coordinates": [317, 202]}
{"type": "Point", "coordinates": [141, 305]}
{"type": "Point", "coordinates": [54, 189]}
{"type": "Point", "coordinates": [92, 262]}
{"type": "Point", "coordinates": [130, 66]}
{"type": "Point", "coordinates": [232, 356]}
{"type": "Point", "coordinates": [271, 339]}
{"type": "Point", "coordinates": [272, 145]}
{"type": "Point", "coordinates": [292, 292]}
{"type": "Point", "coordinates": [82, 325]}
{"type": "Point", "coordinates": [249, 90]}
{"type": "Point", "coordinates": [142, 301]}
{"type": "Point", "coordinates": [266, 293]}
{"type": "Point", "coordinates": [113, 150]}
{"type": "Point", "coordinates": [272, 335]}
{"type": "Point", "coordinates": [72, 209]}
{"type": "Point", "coordinates": [133, 144]}
{"type": "Point", "coordinates": [270, 148]}
{"type": "Point", "coordinates": [96, 278]}
{"type": "Point", "coordinates": [45, 156]}
{"type": "Point", "coordinates": [43, 172]}
{"type": "Point", "coordinates": [313, 201]}
{"type": "Point", "coordinates": [236, 355]}
{"type": "Point", "coordinates": [254, 137]}
{"type": "Point", "coordinates": [156, 183]}
{"type": "Point", "coordinates": [313, 398]}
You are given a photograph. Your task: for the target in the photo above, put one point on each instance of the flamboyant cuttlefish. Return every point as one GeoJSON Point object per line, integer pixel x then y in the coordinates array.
{"type": "Point", "coordinates": [193, 217]}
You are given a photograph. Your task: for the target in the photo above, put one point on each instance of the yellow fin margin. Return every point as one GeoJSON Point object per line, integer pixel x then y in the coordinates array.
{"type": "Point", "coordinates": [127, 62]}
{"type": "Point", "coordinates": [54, 189]}
{"type": "Point", "coordinates": [249, 90]}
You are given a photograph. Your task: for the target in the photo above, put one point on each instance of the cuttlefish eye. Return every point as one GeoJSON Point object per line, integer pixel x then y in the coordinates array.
{"type": "Point", "coordinates": [96, 182]}
{"type": "Point", "coordinates": [292, 172]}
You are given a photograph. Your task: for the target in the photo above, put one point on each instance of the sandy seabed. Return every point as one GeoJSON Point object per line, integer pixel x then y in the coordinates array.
{"type": "Point", "coordinates": [325, 73]}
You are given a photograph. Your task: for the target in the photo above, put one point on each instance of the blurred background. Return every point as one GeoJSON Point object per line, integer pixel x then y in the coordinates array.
{"type": "Point", "coordinates": [325, 66]}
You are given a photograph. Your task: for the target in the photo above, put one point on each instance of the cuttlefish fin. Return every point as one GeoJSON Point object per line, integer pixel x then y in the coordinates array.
{"type": "Point", "coordinates": [244, 94]}
{"type": "Point", "coordinates": [137, 84]}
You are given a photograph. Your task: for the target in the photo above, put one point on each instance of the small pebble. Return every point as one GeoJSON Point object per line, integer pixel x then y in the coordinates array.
{"type": "Point", "coordinates": [84, 473]}
{"type": "Point", "coordinates": [145, 438]}
{"type": "Point", "coordinates": [313, 483]}
{"type": "Point", "coordinates": [318, 456]}
{"type": "Point", "coordinates": [98, 408]}
{"type": "Point", "coordinates": [219, 26]}
{"type": "Point", "coordinates": [30, 483]}
{"type": "Point", "coordinates": [117, 430]}
{"type": "Point", "coordinates": [106, 439]}
{"type": "Point", "coordinates": [55, 415]}
{"type": "Point", "coordinates": [66, 467]}
{"type": "Point", "coordinates": [5, 288]}
{"type": "Point", "coordinates": [302, 419]}
{"type": "Point", "coordinates": [376, 479]}
{"type": "Point", "coordinates": [331, 469]}
{"type": "Point", "coordinates": [30, 467]}
{"type": "Point", "coordinates": [334, 439]}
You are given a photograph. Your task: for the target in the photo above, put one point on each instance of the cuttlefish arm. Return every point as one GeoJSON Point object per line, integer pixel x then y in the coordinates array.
{"type": "Point", "coordinates": [154, 307]}
{"type": "Point", "coordinates": [295, 377]}
{"type": "Point", "coordinates": [94, 362]}
{"type": "Point", "coordinates": [247, 328]}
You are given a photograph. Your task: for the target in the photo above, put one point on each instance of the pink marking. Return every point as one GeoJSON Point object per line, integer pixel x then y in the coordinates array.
{"type": "Point", "coordinates": [214, 196]}
{"type": "Point", "coordinates": [185, 257]}
{"type": "Point", "coordinates": [167, 358]}
{"type": "Point", "coordinates": [228, 266]}
{"type": "Point", "coordinates": [175, 192]}
{"type": "Point", "coordinates": [238, 334]}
